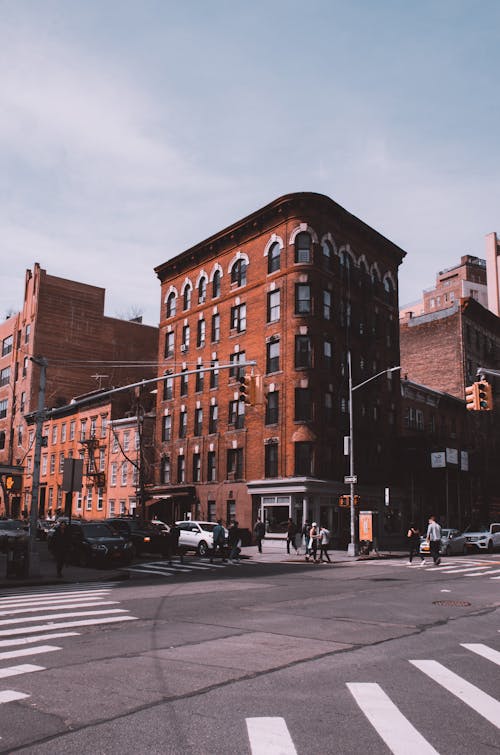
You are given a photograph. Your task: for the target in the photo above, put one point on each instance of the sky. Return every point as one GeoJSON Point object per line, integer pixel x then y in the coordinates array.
{"type": "Point", "coordinates": [131, 130]}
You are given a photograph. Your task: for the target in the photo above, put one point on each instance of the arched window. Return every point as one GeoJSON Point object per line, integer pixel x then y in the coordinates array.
{"type": "Point", "coordinates": [216, 284]}
{"type": "Point", "coordinates": [187, 297]}
{"type": "Point", "coordinates": [202, 290]}
{"type": "Point", "coordinates": [171, 304]}
{"type": "Point", "coordinates": [345, 260]}
{"type": "Point", "coordinates": [303, 247]}
{"type": "Point", "coordinates": [388, 287]}
{"type": "Point", "coordinates": [273, 258]}
{"type": "Point", "coordinates": [326, 255]}
{"type": "Point", "coordinates": [239, 272]}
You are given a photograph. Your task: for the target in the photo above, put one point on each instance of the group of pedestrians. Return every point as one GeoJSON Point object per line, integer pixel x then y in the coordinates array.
{"type": "Point", "coordinates": [433, 537]}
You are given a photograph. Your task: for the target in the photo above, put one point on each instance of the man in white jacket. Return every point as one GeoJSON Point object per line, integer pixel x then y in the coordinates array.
{"type": "Point", "coordinates": [434, 539]}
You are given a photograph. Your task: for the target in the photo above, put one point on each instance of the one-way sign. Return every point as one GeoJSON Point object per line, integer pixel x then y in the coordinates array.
{"type": "Point", "coordinates": [350, 479]}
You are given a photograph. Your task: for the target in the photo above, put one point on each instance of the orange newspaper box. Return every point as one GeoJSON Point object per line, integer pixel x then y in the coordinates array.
{"type": "Point", "coordinates": [366, 525]}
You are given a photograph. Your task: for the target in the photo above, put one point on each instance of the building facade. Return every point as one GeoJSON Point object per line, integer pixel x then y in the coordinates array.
{"type": "Point", "coordinates": [295, 287]}
{"type": "Point", "coordinates": [62, 321]}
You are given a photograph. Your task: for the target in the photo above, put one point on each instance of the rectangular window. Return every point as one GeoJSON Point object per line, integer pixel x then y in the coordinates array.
{"type": "Point", "coordinates": [115, 447]}
{"type": "Point", "coordinates": [100, 498]}
{"type": "Point", "coordinates": [79, 500]}
{"type": "Point", "coordinates": [181, 468]}
{"type": "Point", "coordinates": [114, 470]}
{"type": "Point", "coordinates": [20, 429]}
{"type": "Point", "coordinates": [184, 382]}
{"type": "Point", "coordinates": [83, 429]}
{"type": "Point", "coordinates": [211, 509]}
{"type": "Point", "coordinates": [7, 345]}
{"type": "Point", "coordinates": [72, 427]}
{"type": "Point", "coordinates": [44, 464]}
{"type": "Point", "coordinates": [93, 425]}
{"type": "Point", "coordinates": [166, 430]}
{"type": "Point", "coordinates": [271, 459]}
{"type": "Point", "coordinates": [303, 459]}
{"type": "Point", "coordinates": [211, 467]}
{"type": "Point", "coordinates": [200, 377]}
{"type": "Point", "coordinates": [215, 328]}
{"type": "Point", "coordinates": [61, 462]}
{"type": "Point", "coordinates": [168, 389]}
{"type": "Point", "coordinates": [22, 402]}
{"type": "Point", "coordinates": [235, 359]}
{"type": "Point", "coordinates": [124, 475]}
{"type": "Point", "coordinates": [303, 405]}
{"type": "Point", "coordinates": [63, 432]}
{"type": "Point", "coordinates": [104, 425]}
{"type": "Point", "coordinates": [302, 351]}
{"type": "Point", "coordinates": [169, 344]}
{"type": "Point", "coordinates": [235, 464]}
{"type": "Point", "coordinates": [302, 299]}
{"type": "Point", "coordinates": [52, 466]}
{"type": "Point", "coordinates": [327, 354]}
{"type": "Point", "coordinates": [185, 338]}
{"type": "Point", "coordinates": [165, 470]}
{"type": "Point", "coordinates": [126, 440]}
{"type": "Point", "coordinates": [198, 421]}
{"type": "Point", "coordinates": [272, 408]}
{"type": "Point", "coordinates": [88, 502]}
{"type": "Point", "coordinates": [239, 318]}
{"type": "Point", "coordinates": [214, 374]}
{"type": "Point", "coordinates": [3, 408]}
{"type": "Point", "coordinates": [237, 414]}
{"type": "Point", "coordinates": [27, 334]}
{"type": "Point", "coordinates": [273, 306]}
{"type": "Point", "coordinates": [230, 511]}
{"type": "Point", "coordinates": [212, 419]}
{"type": "Point", "coordinates": [200, 333]}
{"type": "Point", "coordinates": [272, 356]}
{"type": "Point", "coordinates": [50, 501]}
{"type": "Point", "coordinates": [196, 467]}
{"type": "Point", "coordinates": [182, 424]}
{"type": "Point", "coordinates": [102, 459]}
{"type": "Point", "coordinates": [25, 366]}
{"type": "Point", "coordinates": [327, 305]}
{"type": "Point", "coordinates": [4, 376]}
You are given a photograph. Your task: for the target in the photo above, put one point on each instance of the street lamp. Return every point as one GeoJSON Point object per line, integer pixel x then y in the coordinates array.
{"type": "Point", "coordinates": [352, 548]}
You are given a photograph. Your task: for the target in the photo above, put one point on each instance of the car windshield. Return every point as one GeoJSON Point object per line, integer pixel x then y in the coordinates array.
{"type": "Point", "coordinates": [98, 530]}
{"type": "Point", "coordinates": [479, 528]}
{"type": "Point", "coordinates": [207, 526]}
{"type": "Point", "coordinates": [11, 525]}
{"type": "Point", "coordinates": [446, 533]}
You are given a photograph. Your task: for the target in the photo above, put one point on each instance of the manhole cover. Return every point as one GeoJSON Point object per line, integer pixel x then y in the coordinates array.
{"type": "Point", "coordinates": [452, 603]}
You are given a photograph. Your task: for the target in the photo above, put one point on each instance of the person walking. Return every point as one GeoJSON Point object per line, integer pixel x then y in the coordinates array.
{"type": "Point", "coordinates": [175, 549]}
{"type": "Point", "coordinates": [219, 536]}
{"type": "Point", "coordinates": [233, 542]}
{"type": "Point", "coordinates": [434, 539]}
{"type": "Point", "coordinates": [60, 546]}
{"type": "Point", "coordinates": [324, 541]}
{"type": "Point", "coordinates": [312, 545]}
{"type": "Point", "coordinates": [305, 536]}
{"type": "Point", "coordinates": [291, 532]}
{"type": "Point", "coordinates": [413, 535]}
{"type": "Point", "coordinates": [259, 532]}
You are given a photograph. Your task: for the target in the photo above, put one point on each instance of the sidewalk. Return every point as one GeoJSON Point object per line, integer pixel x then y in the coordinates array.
{"type": "Point", "coordinates": [274, 551]}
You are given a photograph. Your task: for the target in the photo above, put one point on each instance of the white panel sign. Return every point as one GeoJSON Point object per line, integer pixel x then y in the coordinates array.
{"type": "Point", "coordinates": [452, 455]}
{"type": "Point", "coordinates": [464, 461]}
{"type": "Point", "coordinates": [438, 459]}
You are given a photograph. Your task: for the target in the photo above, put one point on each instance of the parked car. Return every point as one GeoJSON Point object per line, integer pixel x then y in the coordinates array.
{"type": "Point", "coordinates": [43, 528]}
{"type": "Point", "coordinates": [96, 543]}
{"type": "Point", "coordinates": [483, 538]}
{"type": "Point", "coordinates": [197, 536]}
{"type": "Point", "coordinates": [12, 531]}
{"type": "Point", "coordinates": [145, 538]}
{"type": "Point", "coordinates": [453, 543]}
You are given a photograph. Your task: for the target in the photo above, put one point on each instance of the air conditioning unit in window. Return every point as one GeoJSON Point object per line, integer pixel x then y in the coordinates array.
{"type": "Point", "coordinates": [184, 348]}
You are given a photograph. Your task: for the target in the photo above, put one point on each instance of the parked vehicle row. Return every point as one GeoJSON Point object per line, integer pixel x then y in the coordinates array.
{"type": "Point", "coordinates": [454, 542]}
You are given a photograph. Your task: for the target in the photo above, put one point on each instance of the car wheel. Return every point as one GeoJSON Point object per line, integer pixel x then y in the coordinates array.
{"type": "Point", "coordinates": [202, 549]}
{"type": "Point", "coordinates": [490, 546]}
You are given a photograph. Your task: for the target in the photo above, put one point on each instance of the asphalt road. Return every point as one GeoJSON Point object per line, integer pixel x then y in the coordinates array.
{"type": "Point", "coordinates": [260, 659]}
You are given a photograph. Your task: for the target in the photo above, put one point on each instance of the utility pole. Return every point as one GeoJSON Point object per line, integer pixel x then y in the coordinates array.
{"type": "Point", "coordinates": [34, 565]}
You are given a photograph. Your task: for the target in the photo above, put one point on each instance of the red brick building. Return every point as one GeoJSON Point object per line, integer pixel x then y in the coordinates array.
{"type": "Point", "coordinates": [294, 286]}
{"type": "Point", "coordinates": [64, 322]}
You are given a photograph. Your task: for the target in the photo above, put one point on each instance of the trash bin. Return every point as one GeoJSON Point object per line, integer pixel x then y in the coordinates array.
{"type": "Point", "coordinates": [17, 558]}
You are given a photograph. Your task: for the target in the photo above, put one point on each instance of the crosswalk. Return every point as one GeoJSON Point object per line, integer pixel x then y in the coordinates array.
{"type": "Point", "coordinates": [31, 620]}
{"type": "Point", "coordinates": [162, 568]}
{"type": "Point", "coordinates": [465, 567]}
{"type": "Point", "coordinates": [271, 736]}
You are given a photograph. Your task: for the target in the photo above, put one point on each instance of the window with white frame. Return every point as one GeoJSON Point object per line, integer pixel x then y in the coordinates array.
{"type": "Point", "coordinates": [273, 306]}
{"type": "Point", "coordinates": [124, 473]}
{"type": "Point", "coordinates": [100, 498]}
{"type": "Point", "coordinates": [88, 502]}
{"type": "Point", "coordinates": [114, 471]}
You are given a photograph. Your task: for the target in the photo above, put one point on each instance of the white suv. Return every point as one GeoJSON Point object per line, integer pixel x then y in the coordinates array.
{"type": "Point", "coordinates": [197, 536]}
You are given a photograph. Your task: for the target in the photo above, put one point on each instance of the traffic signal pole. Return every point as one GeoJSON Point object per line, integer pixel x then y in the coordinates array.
{"type": "Point", "coordinates": [34, 562]}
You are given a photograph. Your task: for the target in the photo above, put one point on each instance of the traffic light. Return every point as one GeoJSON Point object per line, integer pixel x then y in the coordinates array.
{"type": "Point", "coordinates": [485, 396]}
{"type": "Point", "coordinates": [472, 397]}
{"type": "Point", "coordinates": [344, 501]}
{"type": "Point", "coordinates": [357, 500]}
{"type": "Point", "coordinates": [13, 483]}
{"type": "Point", "coordinates": [247, 390]}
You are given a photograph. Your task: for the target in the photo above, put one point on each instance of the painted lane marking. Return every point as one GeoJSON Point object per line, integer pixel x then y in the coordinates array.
{"type": "Point", "coordinates": [472, 696]}
{"type": "Point", "coordinates": [269, 736]}
{"type": "Point", "coordinates": [391, 725]}
{"type": "Point", "coordinates": [8, 696]}
{"type": "Point", "coordinates": [37, 638]}
{"type": "Point", "coordinates": [48, 597]}
{"type": "Point", "coordinates": [26, 668]}
{"type": "Point", "coordinates": [65, 624]}
{"type": "Point", "coordinates": [492, 571]}
{"type": "Point", "coordinates": [484, 651]}
{"type": "Point", "coordinates": [28, 651]}
{"type": "Point", "coordinates": [69, 615]}
{"type": "Point", "coordinates": [34, 609]}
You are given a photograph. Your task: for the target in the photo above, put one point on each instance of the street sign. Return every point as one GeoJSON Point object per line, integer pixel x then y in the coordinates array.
{"type": "Point", "coordinates": [350, 479]}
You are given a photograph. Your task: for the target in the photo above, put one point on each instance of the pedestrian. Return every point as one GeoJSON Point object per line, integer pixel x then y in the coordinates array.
{"type": "Point", "coordinates": [434, 539]}
{"type": "Point", "coordinates": [259, 532]}
{"type": "Point", "coordinates": [305, 536]}
{"type": "Point", "coordinates": [219, 537]}
{"type": "Point", "coordinates": [413, 535]}
{"type": "Point", "coordinates": [324, 541]}
{"type": "Point", "coordinates": [175, 549]}
{"type": "Point", "coordinates": [312, 545]}
{"type": "Point", "coordinates": [291, 532]}
{"type": "Point", "coordinates": [60, 546]}
{"type": "Point", "coordinates": [233, 540]}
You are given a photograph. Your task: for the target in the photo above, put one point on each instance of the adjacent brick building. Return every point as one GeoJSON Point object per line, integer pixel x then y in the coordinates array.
{"type": "Point", "coordinates": [64, 322]}
{"type": "Point", "coordinates": [294, 286]}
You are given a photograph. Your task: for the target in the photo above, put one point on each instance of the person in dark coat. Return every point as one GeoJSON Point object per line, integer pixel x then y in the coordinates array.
{"type": "Point", "coordinates": [219, 537]}
{"type": "Point", "coordinates": [291, 532]}
{"type": "Point", "coordinates": [175, 550]}
{"type": "Point", "coordinates": [60, 546]}
{"type": "Point", "coordinates": [232, 541]}
{"type": "Point", "coordinates": [259, 533]}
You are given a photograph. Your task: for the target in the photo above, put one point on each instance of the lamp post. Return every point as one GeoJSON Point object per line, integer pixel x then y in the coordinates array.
{"type": "Point", "coordinates": [352, 549]}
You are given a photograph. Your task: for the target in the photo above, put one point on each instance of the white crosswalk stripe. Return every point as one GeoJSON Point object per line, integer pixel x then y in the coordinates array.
{"type": "Point", "coordinates": [465, 566]}
{"type": "Point", "coordinates": [484, 651]}
{"type": "Point", "coordinates": [269, 736]}
{"type": "Point", "coordinates": [28, 618]}
{"type": "Point", "coordinates": [160, 568]}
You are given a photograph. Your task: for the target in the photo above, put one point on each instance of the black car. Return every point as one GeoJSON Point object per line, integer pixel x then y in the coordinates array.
{"type": "Point", "coordinates": [145, 538]}
{"type": "Point", "coordinates": [12, 531]}
{"type": "Point", "coordinates": [96, 543]}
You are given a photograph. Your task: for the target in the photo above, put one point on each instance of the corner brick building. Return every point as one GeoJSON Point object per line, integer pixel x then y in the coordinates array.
{"type": "Point", "coordinates": [294, 286]}
{"type": "Point", "coordinates": [64, 322]}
